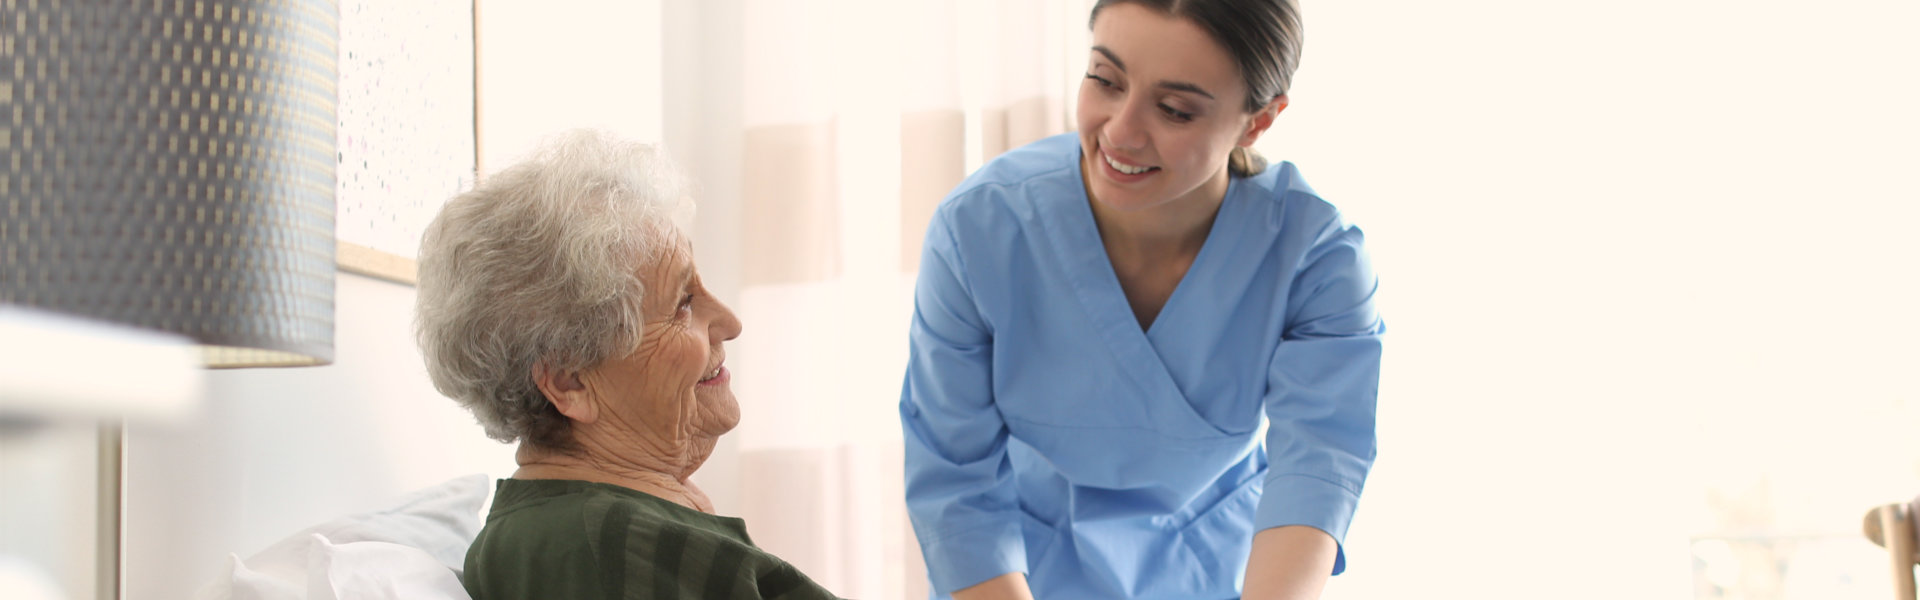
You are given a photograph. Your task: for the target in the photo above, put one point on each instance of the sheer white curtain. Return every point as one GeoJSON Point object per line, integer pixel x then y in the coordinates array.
{"type": "Point", "coordinates": [822, 134]}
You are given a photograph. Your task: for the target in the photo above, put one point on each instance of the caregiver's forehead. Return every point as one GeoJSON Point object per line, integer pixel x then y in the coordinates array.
{"type": "Point", "coordinates": [1139, 39]}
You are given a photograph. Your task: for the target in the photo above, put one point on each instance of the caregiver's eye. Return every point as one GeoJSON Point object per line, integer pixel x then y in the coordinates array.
{"type": "Point", "coordinates": [1176, 114]}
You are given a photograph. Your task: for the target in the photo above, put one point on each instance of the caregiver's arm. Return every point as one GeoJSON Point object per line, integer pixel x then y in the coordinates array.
{"type": "Point", "coordinates": [1287, 563]}
{"type": "Point", "coordinates": [1322, 390]}
{"type": "Point", "coordinates": [1011, 586]}
{"type": "Point", "coordinates": [960, 489]}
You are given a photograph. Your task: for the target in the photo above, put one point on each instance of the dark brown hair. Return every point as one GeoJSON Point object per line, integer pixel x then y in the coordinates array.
{"type": "Point", "coordinates": [1262, 35]}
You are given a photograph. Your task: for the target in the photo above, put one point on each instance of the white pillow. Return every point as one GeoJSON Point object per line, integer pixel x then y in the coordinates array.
{"type": "Point", "coordinates": [378, 571]}
{"type": "Point", "coordinates": [439, 522]}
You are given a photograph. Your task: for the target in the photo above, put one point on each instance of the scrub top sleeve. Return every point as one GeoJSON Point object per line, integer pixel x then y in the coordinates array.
{"type": "Point", "coordinates": [960, 489]}
{"type": "Point", "coordinates": [1321, 391]}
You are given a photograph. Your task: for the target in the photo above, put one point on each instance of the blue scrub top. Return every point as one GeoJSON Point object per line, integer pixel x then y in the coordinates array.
{"type": "Point", "coordinates": [1046, 433]}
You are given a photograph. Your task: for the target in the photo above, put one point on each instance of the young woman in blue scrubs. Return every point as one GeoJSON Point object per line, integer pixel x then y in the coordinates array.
{"type": "Point", "coordinates": [1144, 364]}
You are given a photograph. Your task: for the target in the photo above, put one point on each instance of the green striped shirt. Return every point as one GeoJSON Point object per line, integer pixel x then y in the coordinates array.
{"type": "Point", "coordinates": [579, 540]}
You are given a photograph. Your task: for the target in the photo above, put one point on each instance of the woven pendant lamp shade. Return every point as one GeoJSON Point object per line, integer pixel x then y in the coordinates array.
{"type": "Point", "coordinates": [169, 164]}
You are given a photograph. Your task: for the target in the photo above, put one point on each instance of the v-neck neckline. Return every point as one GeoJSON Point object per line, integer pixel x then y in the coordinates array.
{"type": "Point", "coordinates": [1076, 239]}
{"type": "Point", "coordinates": [1202, 261]}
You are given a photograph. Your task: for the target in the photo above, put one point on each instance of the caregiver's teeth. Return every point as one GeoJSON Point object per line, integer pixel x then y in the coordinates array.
{"type": "Point", "coordinates": [1126, 169]}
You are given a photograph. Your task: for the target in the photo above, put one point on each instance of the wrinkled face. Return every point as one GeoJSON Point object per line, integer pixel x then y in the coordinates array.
{"type": "Point", "coordinates": [1160, 109]}
{"type": "Point", "coordinates": [674, 385]}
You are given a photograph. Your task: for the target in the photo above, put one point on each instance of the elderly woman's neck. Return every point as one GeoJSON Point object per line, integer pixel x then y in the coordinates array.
{"type": "Point", "coordinates": [663, 478]}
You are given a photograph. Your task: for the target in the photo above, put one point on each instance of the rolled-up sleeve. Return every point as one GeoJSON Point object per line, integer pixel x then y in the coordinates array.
{"type": "Point", "coordinates": [1322, 387]}
{"type": "Point", "coordinates": [959, 483]}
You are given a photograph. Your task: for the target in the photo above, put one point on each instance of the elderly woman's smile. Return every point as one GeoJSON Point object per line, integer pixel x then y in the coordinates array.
{"type": "Point", "coordinates": [713, 377]}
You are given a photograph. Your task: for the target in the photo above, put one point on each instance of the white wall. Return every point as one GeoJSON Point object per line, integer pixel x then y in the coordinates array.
{"type": "Point", "coordinates": [277, 450]}
{"type": "Point", "coordinates": [551, 65]}
{"type": "Point", "coordinates": [47, 520]}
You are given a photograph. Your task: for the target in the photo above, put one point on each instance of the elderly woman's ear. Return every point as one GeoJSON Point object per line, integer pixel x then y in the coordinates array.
{"type": "Point", "coordinates": [566, 391]}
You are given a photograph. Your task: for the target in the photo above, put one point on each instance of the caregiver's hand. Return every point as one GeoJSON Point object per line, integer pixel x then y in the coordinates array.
{"type": "Point", "coordinates": [1288, 563]}
{"type": "Point", "coordinates": [1011, 586]}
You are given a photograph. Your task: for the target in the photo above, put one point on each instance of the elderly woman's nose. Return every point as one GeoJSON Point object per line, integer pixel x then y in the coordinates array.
{"type": "Point", "coordinates": [727, 326]}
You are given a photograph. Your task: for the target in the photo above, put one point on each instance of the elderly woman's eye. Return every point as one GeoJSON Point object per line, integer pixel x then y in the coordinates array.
{"type": "Point", "coordinates": [686, 303]}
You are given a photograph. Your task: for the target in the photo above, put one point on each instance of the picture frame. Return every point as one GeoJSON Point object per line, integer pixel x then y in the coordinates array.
{"type": "Point", "coordinates": [408, 127]}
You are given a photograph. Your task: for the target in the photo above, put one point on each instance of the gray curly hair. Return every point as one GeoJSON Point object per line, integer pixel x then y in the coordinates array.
{"type": "Point", "coordinates": [536, 265]}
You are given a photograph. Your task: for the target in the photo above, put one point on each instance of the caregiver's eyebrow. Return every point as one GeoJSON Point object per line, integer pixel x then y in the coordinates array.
{"type": "Point", "coordinates": [1181, 86]}
{"type": "Point", "coordinates": [1117, 63]}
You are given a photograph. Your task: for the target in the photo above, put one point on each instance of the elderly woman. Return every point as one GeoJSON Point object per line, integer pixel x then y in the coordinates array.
{"type": "Point", "coordinates": [559, 303]}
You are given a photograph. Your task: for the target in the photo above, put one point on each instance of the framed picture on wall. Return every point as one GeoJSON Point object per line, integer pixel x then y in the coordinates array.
{"type": "Point", "coordinates": [407, 134]}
